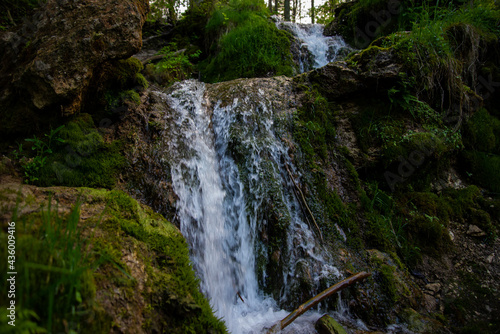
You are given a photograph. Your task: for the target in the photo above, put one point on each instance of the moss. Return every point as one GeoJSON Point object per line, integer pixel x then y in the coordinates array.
{"type": "Point", "coordinates": [84, 159]}
{"type": "Point", "coordinates": [482, 132]}
{"type": "Point", "coordinates": [141, 80]}
{"type": "Point", "coordinates": [126, 70]}
{"type": "Point", "coordinates": [246, 45]}
{"type": "Point", "coordinates": [355, 22]}
{"type": "Point", "coordinates": [314, 132]}
{"type": "Point", "coordinates": [481, 159]}
{"type": "Point", "coordinates": [167, 262]}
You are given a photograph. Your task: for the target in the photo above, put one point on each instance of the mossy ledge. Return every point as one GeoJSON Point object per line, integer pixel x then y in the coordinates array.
{"type": "Point", "coordinates": [133, 274]}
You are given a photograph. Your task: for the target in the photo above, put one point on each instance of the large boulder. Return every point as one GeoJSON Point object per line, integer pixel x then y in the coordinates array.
{"type": "Point", "coordinates": [48, 62]}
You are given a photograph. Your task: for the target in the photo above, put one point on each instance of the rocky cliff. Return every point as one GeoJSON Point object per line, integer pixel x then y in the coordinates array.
{"type": "Point", "coordinates": [49, 60]}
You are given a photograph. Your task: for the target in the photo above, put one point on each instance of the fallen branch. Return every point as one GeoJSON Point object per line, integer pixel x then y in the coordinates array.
{"type": "Point", "coordinates": [316, 299]}
{"type": "Point", "coordinates": [304, 201]}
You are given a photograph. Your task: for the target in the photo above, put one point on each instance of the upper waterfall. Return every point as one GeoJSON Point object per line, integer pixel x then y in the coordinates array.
{"type": "Point", "coordinates": [313, 47]}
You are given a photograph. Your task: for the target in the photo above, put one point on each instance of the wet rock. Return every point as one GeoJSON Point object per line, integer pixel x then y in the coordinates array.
{"type": "Point", "coordinates": [328, 325]}
{"type": "Point", "coordinates": [416, 322]}
{"type": "Point", "coordinates": [50, 60]}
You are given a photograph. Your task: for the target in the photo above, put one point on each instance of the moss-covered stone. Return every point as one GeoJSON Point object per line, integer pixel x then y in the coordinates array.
{"type": "Point", "coordinates": [83, 159]}
{"type": "Point", "coordinates": [328, 325]}
{"type": "Point", "coordinates": [130, 269]}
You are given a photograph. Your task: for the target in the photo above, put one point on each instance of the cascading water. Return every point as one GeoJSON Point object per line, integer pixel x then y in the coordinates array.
{"type": "Point", "coordinates": [315, 49]}
{"type": "Point", "coordinates": [220, 203]}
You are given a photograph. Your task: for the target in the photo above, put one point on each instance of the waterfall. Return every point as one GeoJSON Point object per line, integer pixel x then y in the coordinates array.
{"type": "Point", "coordinates": [314, 49]}
{"type": "Point", "coordinates": [221, 200]}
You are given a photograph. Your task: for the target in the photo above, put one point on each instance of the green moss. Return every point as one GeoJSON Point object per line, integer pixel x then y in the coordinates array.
{"type": "Point", "coordinates": [167, 263]}
{"type": "Point", "coordinates": [484, 169]}
{"type": "Point", "coordinates": [141, 80]}
{"type": "Point", "coordinates": [126, 70]}
{"type": "Point", "coordinates": [314, 132]}
{"type": "Point", "coordinates": [247, 44]}
{"type": "Point", "coordinates": [84, 159]}
{"type": "Point", "coordinates": [388, 283]}
{"type": "Point", "coordinates": [482, 132]}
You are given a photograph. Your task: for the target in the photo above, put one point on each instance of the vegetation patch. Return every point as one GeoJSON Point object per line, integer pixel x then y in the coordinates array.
{"type": "Point", "coordinates": [246, 44]}
{"type": "Point", "coordinates": [73, 155]}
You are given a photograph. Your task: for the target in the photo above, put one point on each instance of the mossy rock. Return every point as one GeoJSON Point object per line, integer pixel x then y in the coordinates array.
{"type": "Point", "coordinates": [482, 132]}
{"type": "Point", "coordinates": [131, 268]}
{"type": "Point", "coordinates": [484, 168]}
{"type": "Point", "coordinates": [83, 159]}
{"type": "Point", "coordinates": [328, 325]}
{"type": "Point", "coordinates": [392, 280]}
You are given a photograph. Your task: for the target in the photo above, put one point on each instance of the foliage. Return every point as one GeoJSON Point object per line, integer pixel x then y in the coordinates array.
{"type": "Point", "coordinates": [482, 155]}
{"type": "Point", "coordinates": [176, 65]}
{"type": "Point", "coordinates": [246, 43]}
{"type": "Point", "coordinates": [161, 10]}
{"type": "Point", "coordinates": [43, 148]}
{"type": "Point", "coordinates": [325, 12]}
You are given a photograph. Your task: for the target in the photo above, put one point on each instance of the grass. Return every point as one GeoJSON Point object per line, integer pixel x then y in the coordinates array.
{"type": "Point", "coordinates": [54, 285]}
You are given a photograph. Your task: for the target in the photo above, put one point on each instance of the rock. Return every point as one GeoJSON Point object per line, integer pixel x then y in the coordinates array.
{"type": "Point", "coordinates": [419, 323]}
{"type": "Point", "coordinates": [490, 258]}
{"type": "Point", "coordinates": [50, 60]}
{"type": "Point", "coordinates": [336, 79]}
{"type": "Point", "coordinates": [375, 67]}
{"type": "Point", "coordinates": [430, 302]}
{"type": "Point", "coordinates": [328, 325]}
{"type": "Point", "coordinates": [433, 287]}
{"type": "Point", "coordinates": [475, 231]}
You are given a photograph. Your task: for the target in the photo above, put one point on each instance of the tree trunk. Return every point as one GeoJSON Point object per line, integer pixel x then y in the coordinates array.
{"type": "Point", "coordinates": [287, 10]}
{"type": "Point", "coordinates": [294, 11]}
{"type": "Point", "coordinates": [276, 3]}
{"type": "Point", "coordinates": [312, 11]}
{"type": "Point", "coordinates": [270, 6]}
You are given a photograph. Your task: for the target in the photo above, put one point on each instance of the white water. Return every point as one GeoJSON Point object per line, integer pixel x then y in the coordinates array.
{"type": "Point", "coordinates": [220, 219]}
{"type": "Point", "coordinates": [316, 50]}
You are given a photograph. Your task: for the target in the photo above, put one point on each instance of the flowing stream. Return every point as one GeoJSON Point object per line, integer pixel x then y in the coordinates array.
{"type": "Point", "coordinates": [220, 204]}
{"type": "Point", "coordinates": [315, 49]}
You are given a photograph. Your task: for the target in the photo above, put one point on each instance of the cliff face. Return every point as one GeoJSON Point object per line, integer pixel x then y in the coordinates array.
{"type": "Point", "coordinates": [48, 61]}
